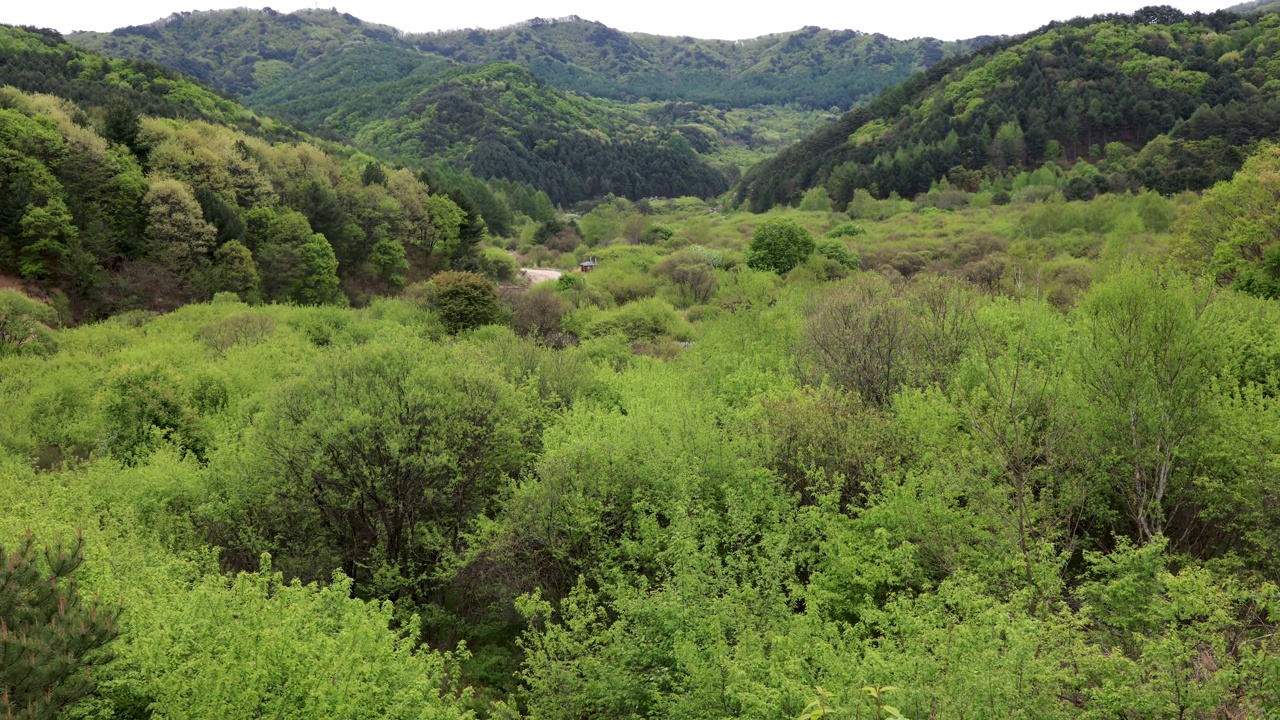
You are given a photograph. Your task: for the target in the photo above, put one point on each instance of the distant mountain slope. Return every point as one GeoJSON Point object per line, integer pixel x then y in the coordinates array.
{"type": "Point", "coordinates": [246, 51]}
{"type": "Point", "coordinates": [1255, 6]}
{"type": "Point", "coordinates": [501, 121]}
{"type": "Point", "coordinates": [343, 78]}
{"type": "Point", "coordinates": [1157, 98]}
{"type": "Point", "coordinates": [811, 67]}
{"type": "Point", "coordinates": [239, 51]}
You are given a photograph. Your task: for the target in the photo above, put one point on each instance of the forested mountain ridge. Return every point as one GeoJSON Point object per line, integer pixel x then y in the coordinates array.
{"type": "Point", "coordinates": [244, 51]}
{"type": "Point", "coordinates": [340, 77]}
{"type": "Point", "coordinates": [1160, 99]}
{"type": "Point", "coordinates": [572, 148]}
{"type": "Point", "coordinates": [811, 67]}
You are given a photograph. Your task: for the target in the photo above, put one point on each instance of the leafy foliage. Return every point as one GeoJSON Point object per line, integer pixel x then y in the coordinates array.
{"type": "Point", "coordinates": [255, 642]}
{"type": "Point", "coordinates": [779, 245]}
{"type": "Point", "coordinates": [1232, 234]}
{"type": "Point", "coordinates": [145, 410]}
{"type": "Point", "coordinates": [1016, 456]}
{"type": "Point", "coordinates": [464, 300]}
{"type": "Point", "coordinates": [41, 61]}
{"type": "Point", "coordinates": [839, 252]}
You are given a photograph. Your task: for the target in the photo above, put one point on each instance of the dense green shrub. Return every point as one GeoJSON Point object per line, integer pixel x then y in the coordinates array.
{"type": "Point", "coordinates": [840, 253]}
{"type": "Point", "coordinates": [499, 266]}
{"type": "Point", "coordinates": [431, 437]}
{"type": "Point", "coordinates": [642, 321]}
{"type": "Point", "coordinates": [846, 229]}
{"type": "Point", "coordinates": [778, 245]}
{"type": "Point", "coordinates": [463, 300]}
{"type": "Point", "coordinates": [256, 643]}
{"type": "Point", "coordinates": [656, 235]}
{"type": "Point", "coordinates": [623, 284]}
{"type": "Point", "coordinates": [557, 235]}
{"type": "Point", "coordinates": [143, 410]}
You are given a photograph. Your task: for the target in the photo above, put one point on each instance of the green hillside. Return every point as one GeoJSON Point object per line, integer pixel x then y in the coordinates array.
{"type": "Point", "coordinates": [128, 187]}
{"type": "Point", "coordinates": [240, 51]}
{"type": "Point", "coordinates": [41, 61]}
{"type": "Point", "coordinates": [811, 67]}
{"type": "Point", "coordinates": [1255, 6]}
{"type": "Point", "coordinates": [244, 51]}
{"type": "Point", "coordinates": [1157, 99]}
{"type": "Point", "coordinates": [501, 121]}
{"type": "Point", "coordinates": [654, 114]}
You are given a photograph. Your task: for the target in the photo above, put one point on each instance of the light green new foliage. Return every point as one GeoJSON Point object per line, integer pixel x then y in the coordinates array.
{"type": "Point", "coordinates": [642, 321]}
{"type": "Point", "coordinates": [196, 644]}
{"type": "Point", "coordinates": [1228, 234]}
{"type": "Point", "coordinates": [257, 645]}
{"type": "Point", "coordinates": [1146, 358]}
{"type": "Point", "coordinates": [388, 258]}
{"type": "Point", "coordinates": [317, 283]}
{"type": "Point", "coordinates": [839, 252]}
{"type": "Point", "coordinates": [1050, 492]}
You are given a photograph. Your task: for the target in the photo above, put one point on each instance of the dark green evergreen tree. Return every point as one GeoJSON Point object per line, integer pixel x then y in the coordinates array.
{"type": "Point", "coordinates": [51, 638]}
{"type": "Point", "coordinates": [120, 124]}
{"type": "Point", "coordinates": [327, 217]}
{"type": "Point", "coordinates": [373, 175]}
{"type": "Point", "coordinates": [473, 227]}
{"type": "Point", "coordinates": [222, 215]}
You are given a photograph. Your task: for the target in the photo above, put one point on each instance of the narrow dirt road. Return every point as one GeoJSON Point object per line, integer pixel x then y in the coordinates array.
{"type": "Point", "coordinates": [538, 275]}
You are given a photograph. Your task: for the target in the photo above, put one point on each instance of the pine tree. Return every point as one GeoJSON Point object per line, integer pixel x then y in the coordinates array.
{"type": "Point", "coordinates": [51, 638]}
{"type": "Point", "coordinates": [120, 125]}
{"type": "Point", "coordinates": [373, 175]}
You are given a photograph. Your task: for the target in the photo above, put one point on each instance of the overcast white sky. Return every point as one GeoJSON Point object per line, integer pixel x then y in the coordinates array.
{"type": "Point", "coordinates": [946, 19]}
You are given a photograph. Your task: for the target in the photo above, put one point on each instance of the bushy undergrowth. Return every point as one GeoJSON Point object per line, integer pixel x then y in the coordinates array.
{"type": "Point", "coordinates": [1001, 460]}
